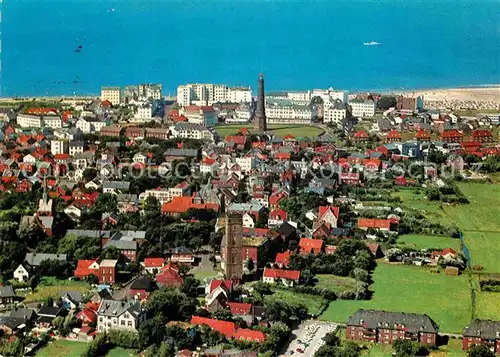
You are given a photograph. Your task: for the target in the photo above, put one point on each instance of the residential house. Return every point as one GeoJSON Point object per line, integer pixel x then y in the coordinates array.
{"type": "Point", "coordinates": [107, 271]}
{"type": "Point", "coordinates": [7, 295]}
{"type": "Point", "coordinates": [168, 275]}
{"type": "Point", "coordinates": [287, 277]}
{"type": "Point", "coordinates": [310, 246]}
{"type": "Point", "coordinates": [378, 224]}
{"type": "Point", "coordinates": [31, 262]}
{"type": "Point", "coordinates": [328, 214]}
{"type": "Point", "coordinates": [46, 316]}
{"type": "Point", "coordinates": [114, 314]}
{"type": "Point", "coordinates": [153, 265]}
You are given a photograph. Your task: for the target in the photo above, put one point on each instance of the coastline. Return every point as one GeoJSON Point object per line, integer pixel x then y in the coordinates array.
{"type": "Point", "coordinates": [479, 93]}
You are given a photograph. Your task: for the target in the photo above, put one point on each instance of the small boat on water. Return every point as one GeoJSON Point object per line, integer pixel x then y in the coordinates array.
{"type": "Point", "coordinates": [371, 43]}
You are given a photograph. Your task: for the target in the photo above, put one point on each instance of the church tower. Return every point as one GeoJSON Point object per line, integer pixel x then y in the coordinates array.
{"type": "Point", "coordinates": [232, 261]}
{"type": "Point", "coordinates": [260, 112]}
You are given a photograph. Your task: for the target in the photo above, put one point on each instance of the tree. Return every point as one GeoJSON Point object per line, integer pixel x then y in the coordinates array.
{"type": "Point", "coordinates": [331, 339]}
{"type": "Point", "coordinates": [223, 314]}
{"type": "Point", "coordinates": [365, 260]}
{"type": "Point", "coordinates": [327, 351]}
{"type": "Point", "coordinates": [152, 331]}
{"type": "Point", "coordinates": [249, 265]}
{"type": "Point", "coordinates": [480, 351]}
{"type": "Point", "coordinates": [111, 252]}
{"type": "Point", "coordinates": [190, 286]}
{"type": "Point", "coordinates": [361, 275]}
{"type": "Point", "coordinates": [409, 348]}
{"type": "Point", "coordinates": [152, 205]}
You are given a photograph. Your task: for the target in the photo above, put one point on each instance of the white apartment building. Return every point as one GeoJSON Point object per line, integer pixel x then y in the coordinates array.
{"type": "Point", "coordinates": [362, 108]}
{"type": "Point", "coordinates": [53, 122]}
{"type": "Point", "coordinates": [29, 121]}
{"type": "Point", "coordinates": [152, 91]}
{"type": "Point", "coordinates": [191, 131]}
{"type": "Point", "coordinates": [246, 163]}
{"type": "Point", "coordinates": [285, 113]}
{"type": "Point", "coordinates": [248, 221]}
{"type": "Point", "coordinates": [208, 94]}
{"type": "Point", "coordinates": [330, 94]}
{"type": "Point", "coordinates": [204, 115]}
{"type": "Point", "coordinates": [239, 95]}
{"type": "Point", "coordinates": [90, 125]}
{"type": "Point", "coordinates": [335, 111]}
{"type": "Point", "coordinates": [58, 147]}
{"type": "Point", "coordinates": [165, 194]}
{"type": "Point", "coordinates": [75, 147]}
{"type": "Point", "coordinates": [113, 314]}
{"type": "Point", "coordinates": [144, 112]}
{"type": "Point", "coordinates": [111, 94]}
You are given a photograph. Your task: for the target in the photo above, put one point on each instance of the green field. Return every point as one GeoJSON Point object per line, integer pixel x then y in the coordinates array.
{"type": "Point", "coordinates": [478, 219]}
{"type": "Point", "coordinates": [479, 222]}
{"type": "Point", "coordinates": [488, 305]}
{"type": "Point", "coordinates": [52, 287]}
{"type": "Point", "coordinates": [444, 298]}
{"type": "Point", "coordinates": [313, 303]}
{"type": "Point", "coordinates": [431, 209]}
{"type": "Point", "coordinates": [63, 348]}
{"type": "Point", "coordinates": [122, 352]}
{"type": "Point", "coordinates": [335, 283]}
{"type": "Point", "coordinates": [425, 242]}
{"type": "Point", "coordinates": [278, 129]}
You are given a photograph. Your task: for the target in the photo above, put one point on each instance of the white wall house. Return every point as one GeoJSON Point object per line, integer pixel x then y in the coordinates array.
{"type": "Point", "coordinates": [114, 314]}
{"type": "Point", "coordinates": [362, 108]}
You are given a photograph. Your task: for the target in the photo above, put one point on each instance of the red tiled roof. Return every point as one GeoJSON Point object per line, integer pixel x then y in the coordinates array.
{"type": "Point", "coordinates": [393, 134]}
{"type": "Point", "coordinates": [87, 314]}
{"type": "Point", "coordinates": [276, 197]}
{"type": "Point", "coordinates": [283, 156]}
{"type": "Point", "coordinates": [278, 213]}
{"type": "Point", "coordinates": [421, 134]}
{"type": "Point", "coordinates": [330, 249]}
{"type": "Point", "coordinates": [154, 262]}
{"type": "Point", "coordinates": [226, 284]}
{"type": "Point", "coordinates": [283, 258]}
{"type": "Point", "coordinates": [311, 245]}
{"type": "Point", "coordinates": [41, 111]}
{"type": "Point", "coordinates": [226, 328]}
{"type": "Point", "coordinates": [283, 274]}
{"type": "Point", "coordinates": [182, 204]}
{"type": "Point", "coordinates": [324, 209]}
{"type": "Point", "coordinates": [372, 163]}
{"type": "Point", "coordinates": [169, 276]}
{"type": "Point", "coordinates": [239, 308]}
{"type": "Point", "coordinates": [237, 139]}
{"type": "Point", "coordinates": [373, 247]}
{"type": "Point", "coordinates": [249, 335]}
{"type": "Point", "coordinates": [61, 156]}
{"type": "Point", "coordinates": [374, 223]}
{"type": "Point", "coordinates": [208, 161]}
{"type": "Point", "coordinates": [82, 268]}
{"type": "Point", "coordinates": [481, 133]}
{"type": "Point", "coordinates": [452, 133]}
{"type": "Point", "coordinates": [361, 134]}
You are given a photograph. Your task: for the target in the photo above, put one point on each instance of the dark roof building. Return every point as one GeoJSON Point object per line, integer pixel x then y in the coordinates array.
{"type": "Point", "coordinates": [482, 332]}
{"type": "Point", "coordinates": [385, 327]}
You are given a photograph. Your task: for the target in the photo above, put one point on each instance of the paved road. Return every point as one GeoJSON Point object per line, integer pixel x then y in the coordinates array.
{"type": "Point", "coordinates": [308, 338]}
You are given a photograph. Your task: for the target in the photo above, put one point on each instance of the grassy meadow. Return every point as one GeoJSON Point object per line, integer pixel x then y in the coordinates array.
{"type": "Point", "coordinates": [446, 299]}
{"type": "Point", "coordinates": [63, 348]}
{"type": "Point", "coordinates": [425, 242]}
{"type": "Point", "coordinates": [278, 129]}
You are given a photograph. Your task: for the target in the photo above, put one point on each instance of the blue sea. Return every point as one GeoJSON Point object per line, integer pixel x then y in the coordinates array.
{"type": "Point", "coordinates": [297, 44]}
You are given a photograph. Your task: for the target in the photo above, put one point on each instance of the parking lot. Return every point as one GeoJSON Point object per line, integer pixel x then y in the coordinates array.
{"type": "Point", "coordinates": [308, 338]}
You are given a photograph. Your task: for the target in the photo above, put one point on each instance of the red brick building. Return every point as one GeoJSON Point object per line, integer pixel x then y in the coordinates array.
{"type": "Point", "coordinates": [393, 136]}
{"type": "Point", "coordinates": [386, 327]}
{"type": "Point", "coordinates": [422, 135]}
{"type": "Point", "coordinates": [452, 136]}
{"type": "Point", "coordinates": [107, 271]}
{"type": "Point", "coordinates": [482, 136]}
{"type": "Point", "coordinates": [360, 136]}
{"type": "Point", "coordinates": [482, 332]}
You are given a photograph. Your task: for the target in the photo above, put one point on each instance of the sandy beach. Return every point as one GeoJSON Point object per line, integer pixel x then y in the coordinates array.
{"type": "Point", "coordinates": [483, 94]}
{"type": "Point", "coordinates": [487, 97]}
